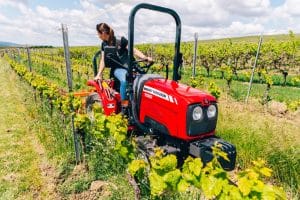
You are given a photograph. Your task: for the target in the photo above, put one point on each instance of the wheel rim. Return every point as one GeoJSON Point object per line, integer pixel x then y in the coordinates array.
{"type": "Point", "coordinates": [93, 103]}
{"type": "Point", "coordinates": [90, 110]}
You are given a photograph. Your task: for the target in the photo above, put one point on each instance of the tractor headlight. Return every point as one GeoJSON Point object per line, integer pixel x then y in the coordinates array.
{"type": "Point", "coordinates": [197, 113]}
{"type": "Point", "coordinates": [211, 111]}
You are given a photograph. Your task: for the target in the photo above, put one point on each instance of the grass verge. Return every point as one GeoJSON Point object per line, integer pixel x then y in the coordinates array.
{"type": "Point", "coordinates": [20, 162]}
{"type": "Point", "coordinates": [257, 134]}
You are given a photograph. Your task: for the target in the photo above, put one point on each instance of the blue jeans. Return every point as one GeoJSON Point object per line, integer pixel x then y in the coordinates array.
{"type": "Point", "coordinates": [120, 74]}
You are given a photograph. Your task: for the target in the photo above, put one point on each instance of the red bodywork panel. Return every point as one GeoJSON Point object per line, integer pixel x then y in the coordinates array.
{"type": "Point", "coordinates": [167, 101]}
{"type": "Point", "coordinates": [110, 98]}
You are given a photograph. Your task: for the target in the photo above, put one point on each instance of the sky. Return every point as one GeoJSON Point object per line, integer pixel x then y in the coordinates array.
{"type": "Point", "coordinates": [35, 22]}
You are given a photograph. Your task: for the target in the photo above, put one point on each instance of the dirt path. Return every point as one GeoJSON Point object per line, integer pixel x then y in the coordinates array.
{"type": "Point", "coordinates": [25, 172]}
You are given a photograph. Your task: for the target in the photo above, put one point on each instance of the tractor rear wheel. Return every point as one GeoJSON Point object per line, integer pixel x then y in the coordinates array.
{"type": "Point", "coordinates": [93, 104]}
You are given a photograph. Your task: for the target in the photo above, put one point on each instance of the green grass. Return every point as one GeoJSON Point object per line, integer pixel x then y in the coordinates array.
{"type": "Point", "coordinates": [277, 77]}
{"type": "Point", "coordinates": [254, 38]}
{"type": "Point", "coordinates": [59, 78]}
{"type": "Point", "coordinates": [20, 175]}
{"type": "Point", "coordinates": [53, 131]}
{"type": "Point", "coordinates": [254, 132]}
{"type": "Point", "coordinates": [239, 89]}
{"type": "Point", "coordinates": [259, 135]}
{"type": "Point", "coordinates": [103, 163]}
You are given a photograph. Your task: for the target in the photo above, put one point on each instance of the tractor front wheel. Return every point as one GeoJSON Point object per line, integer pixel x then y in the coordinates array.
{"type": "Point", "coordinates": [93, 104]}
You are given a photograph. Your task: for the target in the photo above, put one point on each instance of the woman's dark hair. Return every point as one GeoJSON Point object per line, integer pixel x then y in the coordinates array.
{"type": "Point", "coordinates": [104, 28]}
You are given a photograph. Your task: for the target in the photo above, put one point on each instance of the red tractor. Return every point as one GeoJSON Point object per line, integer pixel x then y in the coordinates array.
{"type": "Point", "coordinates": [162, 112]}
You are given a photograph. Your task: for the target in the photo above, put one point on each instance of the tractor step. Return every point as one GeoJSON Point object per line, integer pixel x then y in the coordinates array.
{"type": "Point", "coordinates": [202, 149]}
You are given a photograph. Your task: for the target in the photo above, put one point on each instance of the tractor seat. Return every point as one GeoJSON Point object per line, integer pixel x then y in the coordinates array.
{"type": "Point", "coordinates": [138, 86]}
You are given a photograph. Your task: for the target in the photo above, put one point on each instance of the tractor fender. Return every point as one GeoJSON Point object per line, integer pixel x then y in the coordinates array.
{"type": "Point", "coordinates": [94, 84]}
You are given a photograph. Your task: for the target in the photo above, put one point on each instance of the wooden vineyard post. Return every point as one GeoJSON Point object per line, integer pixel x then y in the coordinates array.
{"type": "Point", "coordinates": [69, 78]}
{"type": "Point", "coordinates": [254, 66]}
{"type": "Point", "coordinates": [19, 55]}
{"type": "Point", "coordinates": [29, 59]}
{"type": "Point", "coordinates": [195, 54]}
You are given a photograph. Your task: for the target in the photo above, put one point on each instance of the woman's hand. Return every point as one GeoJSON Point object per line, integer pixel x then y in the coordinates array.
{"type": "Point", "coordinates": [140, 55]}
{"type": "Point", "coordinates": [149, 59]}
{"type": "Point", "coordinates": [98, 77]}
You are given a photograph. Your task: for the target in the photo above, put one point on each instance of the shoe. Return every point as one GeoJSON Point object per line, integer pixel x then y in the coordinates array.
{"type": "Point", "coordinates": [124, 103]}
{"type": "Point", "coordinates": [124, 107]}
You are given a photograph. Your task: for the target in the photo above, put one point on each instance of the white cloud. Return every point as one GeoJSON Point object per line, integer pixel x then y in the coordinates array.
{"type": "Point", "coordinates": [292, 8]}
{"type": "Point", "coordinates": [3, 19]}
{"type": "Point", "coordinates": [283, 18]}
{"type": "Point", "coordinates": [237, 28]}
{"type": "Point", "coordinates": [211, 19]}
{"type": "Point", "coordinates": [251, 8]}
{"type": "Point", "coordinates": [19, 5]}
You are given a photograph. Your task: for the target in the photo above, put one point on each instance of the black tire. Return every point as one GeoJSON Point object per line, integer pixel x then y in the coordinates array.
{"type": "Point", "coordinates": [92, 100]}
{"type": "Point", "coordinates": [142, 154]}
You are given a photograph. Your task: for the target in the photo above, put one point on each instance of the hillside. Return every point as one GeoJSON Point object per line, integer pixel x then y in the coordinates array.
{"type": "Point", "coordinates": [8, 44]}
{"type": "Point", "coordinates": [254, 38]}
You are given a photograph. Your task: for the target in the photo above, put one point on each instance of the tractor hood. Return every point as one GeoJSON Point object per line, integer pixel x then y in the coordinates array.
{"type": "Point", "coordinates": [182, 93]}
{"type": "Point", "coordinates": [168, 107]}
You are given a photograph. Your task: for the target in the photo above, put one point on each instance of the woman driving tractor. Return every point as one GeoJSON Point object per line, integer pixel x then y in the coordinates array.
{"type": "Point", "coordinates": [106, 34]}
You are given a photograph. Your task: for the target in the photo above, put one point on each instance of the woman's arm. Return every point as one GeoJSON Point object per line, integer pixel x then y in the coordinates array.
{"type": "Point", "coordinates": [139, 54]}
{"type": "Point", "coordinates": [101, 67]}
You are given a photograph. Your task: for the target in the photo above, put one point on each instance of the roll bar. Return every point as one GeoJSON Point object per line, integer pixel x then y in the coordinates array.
{"type": "Point", "coordinates": [177, 56]}
{"type": "Point", "coordinates": [95, 64]}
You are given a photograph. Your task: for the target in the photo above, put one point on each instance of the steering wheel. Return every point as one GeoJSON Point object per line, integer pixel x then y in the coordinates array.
{"type": "Point", "coordinates": [140, 69]}
{"type": "Point", "coordinates": [143, 69]}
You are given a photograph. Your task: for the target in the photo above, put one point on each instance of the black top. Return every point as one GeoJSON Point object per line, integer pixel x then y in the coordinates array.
{"type": "Point", "coordinates": [122, 53]}
{"type": "Point", "coordinates": [121, 47]}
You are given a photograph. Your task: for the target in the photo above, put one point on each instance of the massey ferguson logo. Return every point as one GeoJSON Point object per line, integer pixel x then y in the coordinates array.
{"type": "Point", "coordinates": [160, 94]}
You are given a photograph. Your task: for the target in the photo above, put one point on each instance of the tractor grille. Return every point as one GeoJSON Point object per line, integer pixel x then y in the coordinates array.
{"type": "Point", "coordinates": [205, 125]}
